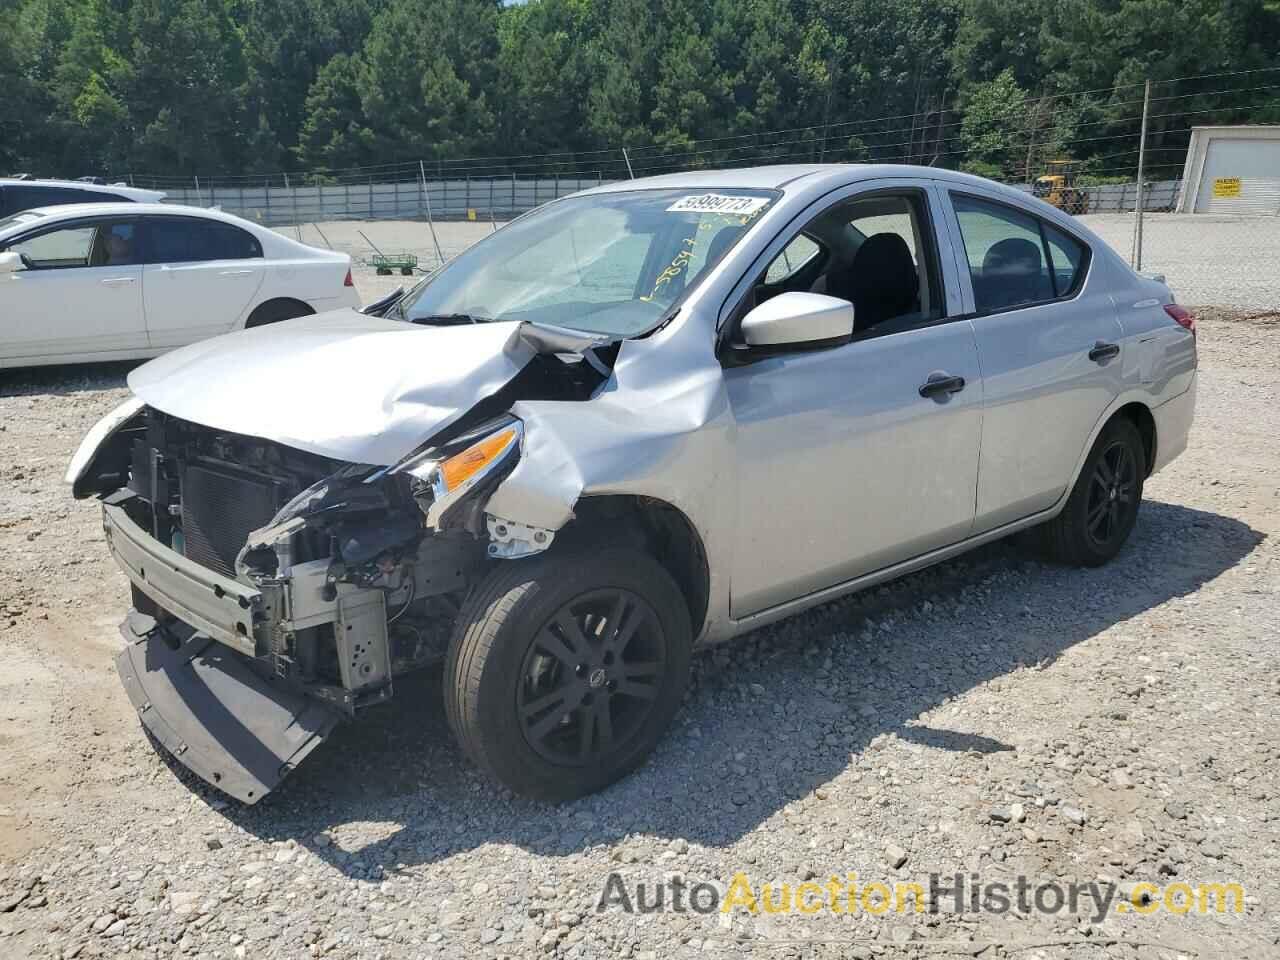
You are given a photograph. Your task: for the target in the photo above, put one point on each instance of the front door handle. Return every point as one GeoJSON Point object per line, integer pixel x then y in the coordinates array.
{"type": "Point", "coordinates": [941, 385]}
{"type": "Point", "coordinates": [116, 281]}
{"type": "Point", "coordinates": [235, 273]}
{"type": "Point", "coordinates": [1104, 351]}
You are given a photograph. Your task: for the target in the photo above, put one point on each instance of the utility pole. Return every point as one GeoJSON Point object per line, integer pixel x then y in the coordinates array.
{"type": "Point", "coordinates": [426, 196]}
{"type": "Point", "coordinates": [826, 116]}
{"type": "Point", "coordinates": [631, 173]}
{"type": "Point", "coordinates": [1031, 140]}
{"type": "Point", "coordinates": [1142, 162]}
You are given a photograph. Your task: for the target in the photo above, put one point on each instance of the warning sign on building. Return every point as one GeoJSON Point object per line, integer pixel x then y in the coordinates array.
{"type": "Point", "coordinates": [1226, 187]}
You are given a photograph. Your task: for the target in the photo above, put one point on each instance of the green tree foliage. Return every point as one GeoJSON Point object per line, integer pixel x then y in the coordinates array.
{"type": "Point", "coordinates": [182, 87]}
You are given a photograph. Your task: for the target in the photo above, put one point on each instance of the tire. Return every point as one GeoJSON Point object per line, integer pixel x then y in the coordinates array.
{"type": "Point", "coordinates": [273, 311]}
{"type": "Point", "coordinates": [523, 689]}
{"type": "Point", "coordinates": [1100, 515]}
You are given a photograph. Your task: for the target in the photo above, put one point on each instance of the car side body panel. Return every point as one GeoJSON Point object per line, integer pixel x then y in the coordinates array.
{"type": "Point", "coordinates": [145, 308]}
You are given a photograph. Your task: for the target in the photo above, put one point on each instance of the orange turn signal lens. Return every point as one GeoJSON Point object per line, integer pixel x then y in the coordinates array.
{"type": "Point", "coordinates": [461, 467]}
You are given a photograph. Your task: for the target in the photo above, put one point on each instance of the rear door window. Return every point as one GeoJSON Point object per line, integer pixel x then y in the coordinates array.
{"type": "Point", "coordinates": [179, 240]}
{"type": "Point", "coordinates": [1006, 255]}
{"type": "Point", "coordinates": [1068, 258]}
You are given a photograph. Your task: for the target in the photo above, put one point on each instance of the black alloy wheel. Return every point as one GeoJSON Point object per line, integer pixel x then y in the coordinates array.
{"type": "Point", "coordinates": [1113, 497]}
{"type": "Point", "coordinates": [590, 677]}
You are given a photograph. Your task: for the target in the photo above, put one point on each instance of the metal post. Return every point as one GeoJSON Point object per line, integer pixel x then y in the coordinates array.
{"type": "Point", "coordinates": [631, 173]}
{"type": "Point", "coordinates": [198, 201]}
{"type": "Point", "coordinates": [1142, 158]}
{"type": "Point", "coordinates": [1031, 140]}
{"type": "Point", "coordinates": [430, 224]}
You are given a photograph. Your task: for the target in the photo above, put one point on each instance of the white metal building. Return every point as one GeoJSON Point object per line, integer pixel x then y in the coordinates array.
{"type": "Point", "coordinates": [1232, 170]}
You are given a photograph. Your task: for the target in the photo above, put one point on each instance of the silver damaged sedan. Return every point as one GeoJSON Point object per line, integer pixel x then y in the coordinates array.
{"type": "Point", "coordinates": [634, 422]}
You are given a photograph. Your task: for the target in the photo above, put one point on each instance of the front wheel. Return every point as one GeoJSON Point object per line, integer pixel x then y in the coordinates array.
{"type": "Point", "coordinates": [1103, 506]}
{"type": "Point", "coordinates": [565, 671]}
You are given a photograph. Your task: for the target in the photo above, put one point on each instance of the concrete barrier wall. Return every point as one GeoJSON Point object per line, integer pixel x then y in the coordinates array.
{"type": "Point", "coordinates": [496, 199]}
{"type": "Point", "coordinates": [481, 199]}
{"type": "Point", "coordinates": [1160, 195]}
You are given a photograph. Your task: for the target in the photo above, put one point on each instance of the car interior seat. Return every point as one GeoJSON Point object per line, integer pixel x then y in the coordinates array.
{"type": "Point", "coordinates": [1012, 272]}
{"type": "Point", "coordinates": [721, 242]}
{"type": "Point", "coordinates": [881, 283]}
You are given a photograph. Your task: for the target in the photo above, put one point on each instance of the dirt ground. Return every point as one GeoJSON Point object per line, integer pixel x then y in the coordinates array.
{"type": "Point", "coordinates": [920, 720]}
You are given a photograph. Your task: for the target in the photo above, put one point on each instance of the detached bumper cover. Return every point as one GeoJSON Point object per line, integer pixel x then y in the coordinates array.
{"type": "Point", "coordinates": [215, 713]}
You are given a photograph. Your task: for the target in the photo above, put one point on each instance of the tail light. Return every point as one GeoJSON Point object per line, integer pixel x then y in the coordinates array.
{"type": "Point", "coordinates": [1182, 316]}
{"type": "Point", "coordinates": [351, 283]}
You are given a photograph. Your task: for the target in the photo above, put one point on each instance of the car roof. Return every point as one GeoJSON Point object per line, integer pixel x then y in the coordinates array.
{"type": "Point", "coordinates": [69, 211]}
{"type": "Point", "coordinates": [119, 190]}
{"type": "Point", "coordinates": [782, 176]}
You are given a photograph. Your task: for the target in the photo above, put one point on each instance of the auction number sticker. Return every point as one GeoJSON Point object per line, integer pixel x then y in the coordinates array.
{"type": "Point", "coordinates": [719, 203]}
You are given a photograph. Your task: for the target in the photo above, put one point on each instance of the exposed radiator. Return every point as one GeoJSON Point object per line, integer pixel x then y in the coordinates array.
{"type": "Point", "coordinates": [219, 510]}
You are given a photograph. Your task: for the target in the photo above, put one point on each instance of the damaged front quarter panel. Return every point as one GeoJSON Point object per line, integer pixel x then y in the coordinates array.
{"type": "Point", "coordinates": [659, 428]}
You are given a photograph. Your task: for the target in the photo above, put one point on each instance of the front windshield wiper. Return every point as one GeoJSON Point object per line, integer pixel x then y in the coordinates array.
{"type": "Point", "coordinates": [450, 319]}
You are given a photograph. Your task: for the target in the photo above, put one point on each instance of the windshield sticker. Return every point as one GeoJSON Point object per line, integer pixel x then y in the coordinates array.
{"type": "Point", "coordinates": [718, 203]}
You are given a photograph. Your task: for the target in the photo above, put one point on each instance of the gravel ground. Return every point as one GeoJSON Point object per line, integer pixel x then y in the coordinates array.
{"type": "Point", "coordinates": [994, 715]}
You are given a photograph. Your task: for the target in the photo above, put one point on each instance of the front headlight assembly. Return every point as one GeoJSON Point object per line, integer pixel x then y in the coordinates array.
{"type": "Point", "coordinates": [445, 480]}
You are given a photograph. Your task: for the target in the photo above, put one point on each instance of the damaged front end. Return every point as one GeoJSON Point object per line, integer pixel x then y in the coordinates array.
{"type": "Point", "coordinates": [277, 592]}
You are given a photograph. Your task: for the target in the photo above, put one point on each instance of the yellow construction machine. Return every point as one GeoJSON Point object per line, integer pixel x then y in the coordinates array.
{"type": "Point", "coordinates": [1058, 186]}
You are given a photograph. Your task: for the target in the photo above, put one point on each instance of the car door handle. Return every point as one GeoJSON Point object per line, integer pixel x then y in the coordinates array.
{"type": "Point", "coordinates": [235, 273]}
{"type": "Point", "coordinates": [940, 385]}
{"type": "Point", "coordinates": [116, 281]}
{"type": "Point", "coordinates": [1104, 351]}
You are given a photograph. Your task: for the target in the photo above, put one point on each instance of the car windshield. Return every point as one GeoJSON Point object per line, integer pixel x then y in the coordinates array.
{"type": "Point", "coordinates": [607, 263]}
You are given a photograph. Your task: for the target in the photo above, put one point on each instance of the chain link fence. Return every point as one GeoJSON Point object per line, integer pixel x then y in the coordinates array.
{"type": "Point", "coordinates": [1208, 259]}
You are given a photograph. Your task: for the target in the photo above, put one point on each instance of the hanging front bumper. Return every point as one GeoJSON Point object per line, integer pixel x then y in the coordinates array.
{"type": "Point", "coordinates": [214, 712]}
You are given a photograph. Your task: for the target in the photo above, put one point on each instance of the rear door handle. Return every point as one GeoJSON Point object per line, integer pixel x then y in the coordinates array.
{"type": "Point", "coordinates": [116, 281]}
{"type": "Point", "coordinates": [941, 385]}
{"type": "Point", "coordinates": [1104, 351]}
{"type": "Point", "coordinates": [235, 273]}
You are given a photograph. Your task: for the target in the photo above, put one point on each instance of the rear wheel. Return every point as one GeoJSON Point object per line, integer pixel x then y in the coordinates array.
{"type": "Point", "coordinates": [1103, 506]}
{"type": "Point", "coordinates": [565, 671]}
{"type": "Point", "coordinates": [273, 311]}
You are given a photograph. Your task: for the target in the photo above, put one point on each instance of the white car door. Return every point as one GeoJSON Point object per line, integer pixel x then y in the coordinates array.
{"type": "Point", "coordinates": [79, 294]}
{"type": "Point", "coordinates": [199, 278]}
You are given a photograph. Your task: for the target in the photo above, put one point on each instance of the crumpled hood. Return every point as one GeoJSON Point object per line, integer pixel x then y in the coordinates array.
{"type": "Point", "coordinates": [343, 385]}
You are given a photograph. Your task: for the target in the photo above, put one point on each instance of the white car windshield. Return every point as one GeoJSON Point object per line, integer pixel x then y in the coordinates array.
{"type": "Point", "coordinates": [608, 263]}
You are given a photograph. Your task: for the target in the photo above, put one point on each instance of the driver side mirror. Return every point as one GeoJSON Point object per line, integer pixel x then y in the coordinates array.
{"type": "Point", "coordinates": [797, 321]}
{"type": "Point", "coordinates": [11, 262]}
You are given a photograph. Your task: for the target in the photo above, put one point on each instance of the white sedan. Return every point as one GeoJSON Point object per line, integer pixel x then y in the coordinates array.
{"type": "Point", "coordinates": [119, 281]}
